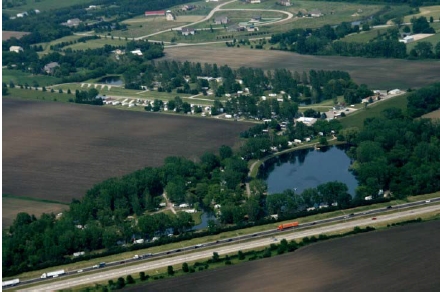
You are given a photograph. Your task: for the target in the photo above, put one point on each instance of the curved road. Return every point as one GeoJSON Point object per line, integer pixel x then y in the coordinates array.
{"type": "Point", "coordinates": [237, 243]}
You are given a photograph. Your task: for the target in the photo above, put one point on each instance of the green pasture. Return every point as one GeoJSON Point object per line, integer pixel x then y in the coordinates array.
{"type": "Point", "coordinates": [427, 12]}
{"type": "Point", "coordinates": [363, 36]}
{"type": "Point", "coordinates": [98, 43]}
{"type": "Point", "coordinates": [357, 118]}
{"type": "Point", "coordinates": [20, 77]}
{"type": "Point", "coordinates": [43, 5]}
{"type": "Point", "coordinates": [33, 94]}
{"type": "Point", "coordinates": [46, 46]}
{"type": "Point", "coordinates": [434, 40]}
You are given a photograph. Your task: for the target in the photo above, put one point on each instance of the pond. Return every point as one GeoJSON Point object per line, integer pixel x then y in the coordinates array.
{"type": "Point", "coordinates": [308, 168]}
{"type": "Point", "coordinates": [112, 80]}
{"type": "Point", "coordinates": [205, 218]}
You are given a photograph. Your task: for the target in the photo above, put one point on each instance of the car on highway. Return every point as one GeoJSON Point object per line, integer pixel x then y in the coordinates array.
{"type": "Point", "coordinates": [389, 207]}
{"type": "Point", "coordinates": [95, 266]}
{"type": "Point", "coordinates": [79, 271]}
{"type": "Point", "coordinates": [428, 201]}
{"type": "Point", "coordinates": [374, 218]}
{"type": "Point", "coordinates": [198, 245]}
{"type": "Point", "coordinates": [178, 250]}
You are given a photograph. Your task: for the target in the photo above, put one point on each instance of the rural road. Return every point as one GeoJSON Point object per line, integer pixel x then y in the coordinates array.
{"type": "Point", "coordinates": [151, 266]}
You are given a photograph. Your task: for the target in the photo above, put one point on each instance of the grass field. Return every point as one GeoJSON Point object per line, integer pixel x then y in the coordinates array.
{"type": "Point", "coordinates": [19, 77]}
{"type": "Point", "coordinates": [357, 118]}
{"type": "Point", "coordinates": [397, 260]}
{"type": "Point", "coordinates": [434, 40]}
{"type": "Point", "coordinates": [61, 150]}
{"type": "Point", "coordinates": [46, 46]}
{"type": "Point", "coordinates": [363, 36]}
{"type": "Point", "coordinates": [98, 43]}
{"type": "Point", "coordinates": [12, 205]}
{"type": "Point", "coordinates": [427, 12]}
{"type": "Point", "coordinates": [43, 5]}
{"type": "Point", "coordinates": [376, 73]}
{"type": "Point", "coordinates": [16, 34]}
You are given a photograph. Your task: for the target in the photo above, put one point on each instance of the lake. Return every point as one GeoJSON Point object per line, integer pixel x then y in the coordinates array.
{"type": "Point", "coordinates": [112, 80]}
{"type": "Point", "coordinates": [308, 168]}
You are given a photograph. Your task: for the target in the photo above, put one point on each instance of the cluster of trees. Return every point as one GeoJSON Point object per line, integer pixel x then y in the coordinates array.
{"type": "Point", "coordinates": [102, 217]}
{"type": "Point", "coordinates": [88, 97]}
{"type": "Point", "coordinates": [424, 100]}
{"type": "Point", "coordinates": [96, 62]}
{"type": "Point", "coordinates": [325, 41]}
{"type": "Point", "coordinates": [397, 153]}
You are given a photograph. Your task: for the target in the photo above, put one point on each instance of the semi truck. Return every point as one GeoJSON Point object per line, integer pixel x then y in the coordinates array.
{"type": "Point", "coordinates": [10, 283]}
{"type": "Point", "coordinates": [288, 225]}
{"type": "Point", "coordinates": [53, 274]}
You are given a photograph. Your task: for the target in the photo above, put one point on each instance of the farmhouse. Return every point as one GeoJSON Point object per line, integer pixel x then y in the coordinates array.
{"type": "Point", "coordinates": [72, 22]}
{"type": "Point", "coordinates": [23, 14]}
{"type": "Point", "coordinates": [187, 31]}
{"type": "Point", "coordinates": [221, 20]}
{"type": "Point", "coordinates": [235, 27]}
{"type": "Point", "coordinates": [253, 1]}
{"type": "Point", "coordinates": [136, 52]}
{"type": "Point", "coordinates": [170, 16]}
{"type": "Point", "coordinates": [155, 13]}
{"type": "Point", "coordinates": [307, 121]}
{"type": "Point", "coordinates": [407, 39]}
{"type": "Point", "coordinates": [315, 13]}
{"type": "Point", "coordinates": [285, 3]}
{"type": "Point", "coordinates": [256, 18]}
{"type": "Point", "coordinates": [50, 68]}
{"type": "Point", "coordinates": [16, 49]}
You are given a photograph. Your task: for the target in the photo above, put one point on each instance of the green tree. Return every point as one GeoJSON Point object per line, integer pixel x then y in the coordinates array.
{"type": "Point", "coordinates": [130, 280]}
{"type": "Point", "coordinates": [170, 270]}
{"type": "Point", "coordinates": [215, 257]}
{"type": "Point", "coordinates": [323, 141]}
{"type": "Point", "coordinates": [120, 283]}
{"type": "Point", "coordinates": [185, 267]}
{"type": "Point", "coordinates": [241, 255]}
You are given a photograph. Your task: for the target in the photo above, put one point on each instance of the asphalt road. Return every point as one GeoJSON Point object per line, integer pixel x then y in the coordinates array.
{"type": "Point", "coordinates": [234, 245]}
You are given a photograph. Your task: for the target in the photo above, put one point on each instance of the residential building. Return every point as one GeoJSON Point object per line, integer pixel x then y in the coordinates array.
{"type": "Point", "coordinates": [188, 31]}
{"type": "Point", "coordinates": [136, 52]}
{"type": "Point", "coordinates": [256, 18]}
{"type": "Point", "coordinates": [285, 3]}
{"type": "Point", "coordinates": [72, 22]}
{"type": "Point", "coordinates": [50, 68]}
{"type": "Point", "coordinates": [316, 13]}
{"type": "Point", "coordinates": [16, 49]}
{"type": "Point", "coordinates": [253, 1]}
{"type": "Point", "coordinates": [23, 14]}
{"type": "Point", "coordinates": [169, 15]}
{"type": "Point", "coordinates": [221, 20]}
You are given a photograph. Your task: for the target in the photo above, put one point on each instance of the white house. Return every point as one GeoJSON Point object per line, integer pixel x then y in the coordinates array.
{"type": "Point", "coordinates": [169, 15]}
{"type": "Point", "coordinates": [307, 121]}
{"type": "Point", "coordinates": [184, 205]}
{"type": "Point", "coordinates": [407, 39]}
{"type": "Point", "coordinates": [16, 49]}
{"type": "Point", "coordinates": [316, 13]}
{"type": "Point", "coordinates": [285, 3]}
{"type": "Point", "coordinates": [136, 52]}
{"type": "Point", "coordinates": [395, 91]}
{"type": "Point", "coordinates": [23, 14]}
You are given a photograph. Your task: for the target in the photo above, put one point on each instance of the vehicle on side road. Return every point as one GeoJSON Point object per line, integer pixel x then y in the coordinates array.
{"type": "Point", "coordinates": [10, 283]}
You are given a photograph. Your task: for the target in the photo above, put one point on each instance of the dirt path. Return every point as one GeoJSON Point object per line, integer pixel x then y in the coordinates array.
{"type": "Point", "coordinates": [170, 205]}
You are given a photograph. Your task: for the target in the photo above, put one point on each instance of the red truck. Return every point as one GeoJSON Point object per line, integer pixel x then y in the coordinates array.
{"type": "Point", "coordinates": [287, 225]}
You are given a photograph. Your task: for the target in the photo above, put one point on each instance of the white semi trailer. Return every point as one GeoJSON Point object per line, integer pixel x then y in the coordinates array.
{"type": "Point", "coordinates": [53, 274]}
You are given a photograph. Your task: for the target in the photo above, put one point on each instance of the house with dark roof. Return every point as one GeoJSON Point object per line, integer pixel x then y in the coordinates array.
{"type": "Point", "coordinates": [188, 31]}
{"type": "Point", "coordinates": [221, 20]}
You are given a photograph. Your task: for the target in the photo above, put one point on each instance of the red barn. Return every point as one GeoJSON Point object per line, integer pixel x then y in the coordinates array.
{"type": "Point", "coordinates": [155, 13]}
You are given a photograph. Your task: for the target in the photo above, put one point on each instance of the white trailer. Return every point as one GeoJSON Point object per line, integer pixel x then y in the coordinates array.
{"type": "Point", "coordinates": [10, 283]}
{"type": "Point", "coordinates": [52, 274]}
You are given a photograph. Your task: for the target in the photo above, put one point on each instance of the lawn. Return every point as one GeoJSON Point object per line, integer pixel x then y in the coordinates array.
{"type": "Point", "coordinates": [98, 43]}
{"type": "Point", "coordinates": [427, 12]}
{"type": "Point", "coordinates": [434, 40]}
{"type": "Point", "coordinates": [373, 110]}
{"type": "Point", "coordinates": [46, 46]}
{"type": "Point", "coordinates": [363, 36]}
{"type": "Point", "coordinates": [19, 77]}
{"type": "Point", "coordinates": [43, 5]}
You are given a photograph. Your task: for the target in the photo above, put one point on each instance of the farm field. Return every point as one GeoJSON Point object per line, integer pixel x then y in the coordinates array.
{"type": "Point", "coordinates": [426, 11]}
{"type": "Point", "coordinates": [61, 150]}
{"type": "Point", "coordinates": [13, 205]}
{"type": "Point", "coordinates": [390, 260]}
{"type": "Point", "coordinates": [377, 73]}
{"type": "Point", "coordinates": [6, 35]}
{"type": "Point", "coordinates": [435, 115]}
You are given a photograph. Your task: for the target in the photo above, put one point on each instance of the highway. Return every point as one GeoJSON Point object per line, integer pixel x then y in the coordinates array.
{"type": "Point", "coordinates": [151, 262]}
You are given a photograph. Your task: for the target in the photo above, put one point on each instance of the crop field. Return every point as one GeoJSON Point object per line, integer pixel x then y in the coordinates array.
{"type": "Point", "coordinates": [57, 151]}
{"type": "Point", "coordinates": [390, 260]}
{"type": "Point", "coordinates": [13, 205]}
{"type": "Point", "coordinates": [6, 35]}
{"type": "Point", "coordinates": [435, 115]}
{"type": "Point", "coordinates": [377, 73]}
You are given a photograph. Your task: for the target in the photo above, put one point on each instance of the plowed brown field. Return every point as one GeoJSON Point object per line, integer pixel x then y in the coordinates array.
{"type": "Point", "coordinates": [398, 259]}
{"type": "Point", "coordinates": [375, 72]}
{"type": "Point", "coordinates": [57, 151]}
